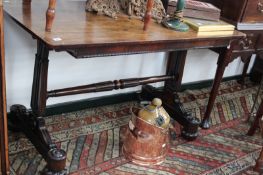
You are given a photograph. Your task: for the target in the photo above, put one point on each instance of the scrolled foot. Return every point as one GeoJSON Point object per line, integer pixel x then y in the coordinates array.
{"type": "Point", "coordinates": [16, 111]}
{"type": "Point", "coordinates": [205, 124]}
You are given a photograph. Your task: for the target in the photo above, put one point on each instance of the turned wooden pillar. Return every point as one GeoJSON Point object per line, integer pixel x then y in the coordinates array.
{"type": "Point", "coordinates": [148, 14]}
{"type": "Point", "coordinates": [50, 14]}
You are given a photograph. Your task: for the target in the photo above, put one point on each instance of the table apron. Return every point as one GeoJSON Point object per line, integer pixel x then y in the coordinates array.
{"type": "Point", "coordinates": [129, 48]}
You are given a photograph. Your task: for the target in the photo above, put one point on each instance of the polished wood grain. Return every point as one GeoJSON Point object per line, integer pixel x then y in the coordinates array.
{"type": "Point", "coordinates": [3, 117]}
{"type": "Point", "coordinates": [75, 28]}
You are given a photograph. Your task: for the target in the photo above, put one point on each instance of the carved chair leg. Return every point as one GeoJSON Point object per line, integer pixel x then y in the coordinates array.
{"type": "Point", "coordinates": [255, 124]}
{"type": "Point", "coordinates": [252, 113]}
{"type": "Point", "coordinates": [259, 163]}
{"type": "Point", "coordinates": [246, 60]}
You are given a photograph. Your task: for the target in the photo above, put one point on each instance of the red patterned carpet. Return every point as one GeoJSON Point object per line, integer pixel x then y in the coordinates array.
{"type": "Point", "coordinates": [93, 139]}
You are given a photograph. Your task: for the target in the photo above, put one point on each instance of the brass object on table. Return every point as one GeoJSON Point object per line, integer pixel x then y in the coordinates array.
{"type": "Point", "coordinates": [147, 138]}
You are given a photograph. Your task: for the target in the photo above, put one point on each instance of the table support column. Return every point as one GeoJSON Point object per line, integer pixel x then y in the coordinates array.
{"type": "Point", "coordinates": [33, 123]}
{"type": "Point", "coordinates": [171, 102]}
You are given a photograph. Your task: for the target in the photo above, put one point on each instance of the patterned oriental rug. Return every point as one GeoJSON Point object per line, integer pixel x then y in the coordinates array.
{"type": "Point", "coordinates": [93, 139]}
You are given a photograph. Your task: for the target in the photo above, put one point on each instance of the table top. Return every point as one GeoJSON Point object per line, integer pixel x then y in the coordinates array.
{"type": "Point", "coordinates": [75, 29]}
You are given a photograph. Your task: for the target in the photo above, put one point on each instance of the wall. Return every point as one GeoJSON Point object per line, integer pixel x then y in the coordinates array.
{"type": "Point", "coordinates": [65, 71]}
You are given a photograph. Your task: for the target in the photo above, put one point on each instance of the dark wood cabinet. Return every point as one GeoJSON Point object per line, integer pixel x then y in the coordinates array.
{"type": "Point", "coordinates": [240, 11]}
{"type": "Point", "coordinates": [248, 13]}
{"type": "Point", "coordinates": [253, 11]}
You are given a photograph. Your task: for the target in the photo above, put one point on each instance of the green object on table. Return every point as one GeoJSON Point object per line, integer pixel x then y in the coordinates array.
{"type": "Point", "coordinates": [175, 22]}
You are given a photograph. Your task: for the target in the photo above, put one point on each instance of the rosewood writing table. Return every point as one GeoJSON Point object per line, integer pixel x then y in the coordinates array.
{"type": "Point", "coordinates": [85, 35]}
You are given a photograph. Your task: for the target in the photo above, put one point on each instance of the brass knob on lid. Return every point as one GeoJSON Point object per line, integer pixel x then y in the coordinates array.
{"type": "Point", "coordinates": [157, 102]}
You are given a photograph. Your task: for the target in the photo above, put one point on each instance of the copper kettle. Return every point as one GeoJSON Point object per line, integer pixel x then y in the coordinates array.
{"type": "Point", "coordinates": [155, 114]}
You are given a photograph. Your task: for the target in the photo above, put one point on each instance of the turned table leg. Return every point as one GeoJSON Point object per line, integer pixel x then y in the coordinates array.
{"type": "Point", "coordinates": [33, 123]}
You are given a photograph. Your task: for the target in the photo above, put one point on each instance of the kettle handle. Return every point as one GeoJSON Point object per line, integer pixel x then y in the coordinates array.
{"type": "Point", "coordinates": [137, 133]}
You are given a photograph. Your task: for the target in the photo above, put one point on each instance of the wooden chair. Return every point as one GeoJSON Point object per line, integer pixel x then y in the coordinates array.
{"type": "Point", "coordinates": [50, 14]}
{"type": "Point", "coordinates": [256, 123]}
{"type": "Point", "coordinates": [4, 165]}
